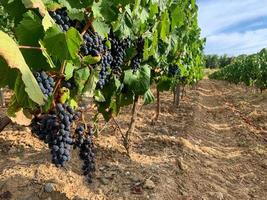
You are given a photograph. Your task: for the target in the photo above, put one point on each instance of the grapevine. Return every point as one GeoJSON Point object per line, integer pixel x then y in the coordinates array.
{"type": "Point", "coordinates": [64, 49]}
{"type": "Point", "coordinates": [250, 70]}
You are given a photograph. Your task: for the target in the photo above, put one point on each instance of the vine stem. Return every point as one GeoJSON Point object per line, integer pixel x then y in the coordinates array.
{"type": "Point", "coordinates": [4, 122]}
{"type": "Point", "coordinates": [30, 47]}
{"type": "Point", "coordinates": [157, 108]}
{"type": "Point", "coordinates": [126, 137]}
{"type": "Point", "coordinates": [87, 26]}
{"type": "Point", "coordinates": [62, 69]}
{"type": "Point", "coordinates": [118, 127]}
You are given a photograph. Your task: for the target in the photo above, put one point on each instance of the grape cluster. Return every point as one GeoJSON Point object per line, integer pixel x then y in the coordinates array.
{"type": "Point", "coordinates": [118, 51]}
{"type": "Point", "coordinates": [137, 59]}
{"type": "Point", "coordinates": [173, 70]}
{"type": "Point", "coordinates": [61, 18]}
{"type": "Point", "coordinates": [45, 82]}
{"type": "Point", "coordinates": [105, 63]}
{"type": "Point", "coordinates": [85, 143]}
{"type": "Point", "coordinates": [93, 44]}
{"type": "Point", "coordinates": [54, 129]}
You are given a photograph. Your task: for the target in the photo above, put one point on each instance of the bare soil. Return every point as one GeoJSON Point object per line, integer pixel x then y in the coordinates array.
{"type": "Point", "coordinates": [214, 146]}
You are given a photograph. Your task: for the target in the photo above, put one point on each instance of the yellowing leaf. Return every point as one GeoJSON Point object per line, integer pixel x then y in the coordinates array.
{"type": "Point", "coordinates": [14, 59]}
{"type": "Point", "coordinates": [35, 4]}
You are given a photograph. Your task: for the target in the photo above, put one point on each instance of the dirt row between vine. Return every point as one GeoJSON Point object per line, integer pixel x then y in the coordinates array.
{"type": "Point", "coordinates": [214, 146]}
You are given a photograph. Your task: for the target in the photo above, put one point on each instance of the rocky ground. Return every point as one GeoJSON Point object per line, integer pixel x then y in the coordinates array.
{"type": "Point", "coordinates": [214, 146]}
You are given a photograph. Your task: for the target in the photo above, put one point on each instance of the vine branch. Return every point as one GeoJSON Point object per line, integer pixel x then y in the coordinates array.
{"type": "Point", "coordinates": [62, 69]}
{"type": "Point", "coordinates": [30, 47]}
{"type": "Point", "coordinates": [87, 26]}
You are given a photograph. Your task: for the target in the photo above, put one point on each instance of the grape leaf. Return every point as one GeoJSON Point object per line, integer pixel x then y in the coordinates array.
{"type": "Point", "coordinates": [81, 76]}
{"type": "Point", "coordinates": [125, 99]}
{"type": "Point", "coordinates": [47, 56]}
{"type": "Point", "coordinates": [101, 27]}
{"type": "Point", "coordinates": [14, 59]}
{"type": "Point", "coordinates": [75, 13]}
{"type": "Point", "coordinates": [73, 104]}
{"type": "Point", "coordinates": [52, 6]}
{"type": "Point", "coordinates": [13, 106]}
{"type": "Point", "coordinates": [109, 11]}
{"type": "Point", "coordinates": [28, 33]}
{"type": "Point", "coordinates": [138, 82]}
{"type": "Point", "coordinates": [98, 96]}
{"type": "Point", "coordinates": [62, 46]}
{"type": "Point", "coordinates": [91, 59]}
{"type": "Point", "coordinates": [177, 17]}
{"type": "Point", "coordinates": [164, 84]}
{"type": "Point", "coordinates": [30, 29]}
{"type": "Point", "coordinates": [76, 3]}
{"type": "Point", "coordinates": [164, 25]}
{"type": "Point", "coordinates": [35, 4]}
{"type": "Point", "coordinates": [15, 9]}
{"type": "Point", "coordinates": [22, 98]}
{"type": "Point", "coordinates": [8, 76]}
{"type": "Point", "coordinates": [154, 9]}
{"type": "Point", "coordinates": [91, 83]}
{"type": "Point", "coordinates": [69, 69]}
{"type": "Point", "coordinates": [96, 9]}
{"type": "Point", "coordinates": [47, 22]}
{"type": "Point", "coordinates": [148, 97]}
{"type": "Point", "coordinates": [109, 106]}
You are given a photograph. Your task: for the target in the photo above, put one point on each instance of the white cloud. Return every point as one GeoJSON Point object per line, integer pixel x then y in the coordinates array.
{"type": "Point", "coordinates": [237, 43]}
{"type": "Point", "coordinates": [218, 15]}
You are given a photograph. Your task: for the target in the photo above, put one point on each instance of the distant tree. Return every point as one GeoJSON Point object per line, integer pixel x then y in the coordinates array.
{"type": "Point", "coordinates": [215, 61]}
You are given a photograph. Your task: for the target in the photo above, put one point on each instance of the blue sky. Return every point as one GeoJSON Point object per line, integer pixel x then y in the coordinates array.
{"type": "Point", "coordinates": [233, 27]}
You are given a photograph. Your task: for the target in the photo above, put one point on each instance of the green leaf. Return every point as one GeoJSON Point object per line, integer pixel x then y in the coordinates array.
{"type": "Point", "coordinates": [13, 107]}
{"type": "Point", "coordinates": [62, 46]}
{"type": "Point", "coordinates": [138, 82]}
{"type": "Point", "coordinates": [164, 25]}
{"type": "Point", "coordinates": [73, 104]}
{"type": "Point", "coordinates": [47, 22]}
{"type": "Point", "coordinates": [124, 23]}
{"type": "Point", "coordinates": [74, 13]}
{"type": "Point", "coordinates": [91, 83]}
{"type": "Point", "coordinates": [81, 76]}
{"type": "Point", "coordinates": [47, 56]}
{"type": "Point", "coordinates": [28, 33]}
{"type": "Point", "coordinates": [30, 29]}
{"type": "Point", "coordinates": [109, 11]}
{"type": "Point", "coordinates": [154, 9]}
{"type": "Point", "coordinates": [148, 97]}
{"type": "Point", "coordinates": [48, 104]}
{"type": "Point", "coordinates": [90, 60]}
{"type": "Point", "coordinates": [109, 106]}
{"type": "Point", "coordinates": [177, 17]}
{"type": "Point", "coordinates": [125, 98]}
{"type": "Point", "coordinates": [52, 6]}
{"type": "Point", "coordinates": [98, 96]}
{"type": "Point", "coordinates": [101, 27]}
{"type": "Point", "coordinates": [96, 9]}
{"type": "Point", "coordinates": [76, 3]}
{"type": "Point", "coordinates": [14, 59]}
{"type": "Point", "coordinates": [8, 76]}
{"type": "Point", "coordinates": [164, 84]}
{"type": "Point", "coordinates": [69, 69]}
{"type": "Point", "coordinates": [15, 9]}
{"type": "Point", "coordinates": [143, 15]}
